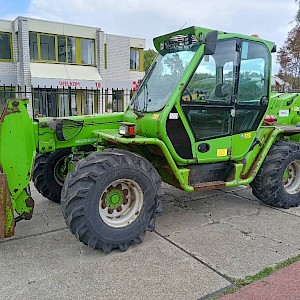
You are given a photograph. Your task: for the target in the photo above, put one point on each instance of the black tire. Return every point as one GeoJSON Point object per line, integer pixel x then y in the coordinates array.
{"type": "Point", "coordinates": [45, 180]}
{"type": "Point", "coordinates": [270, 185]}
{"type": "Point", "coordinates": [88, 185]}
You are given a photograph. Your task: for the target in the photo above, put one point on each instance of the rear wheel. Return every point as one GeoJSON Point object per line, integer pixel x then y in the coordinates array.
{"type": "Point", "coordinates": [278, 180]}
{"type": "Point", "coordinates": [111, 198]}
{"type": "Point", "coordinates": [49, 173]}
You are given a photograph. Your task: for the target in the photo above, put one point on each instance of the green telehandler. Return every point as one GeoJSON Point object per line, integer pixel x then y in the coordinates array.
{"type": "Point", "coordinates": [203, 117]}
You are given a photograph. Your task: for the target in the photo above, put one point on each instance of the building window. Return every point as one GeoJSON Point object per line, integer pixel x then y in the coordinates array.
{"type": "Point", "coordinates": [66, 49]}
{"type": "Point", "coordinates": [87, 51]}
{"type": "Point", "coordinates": [136, 59]}
{"type": "Point", "coordinates": [105, 56]}
{"type": "Point", "coordinates": [62, 49]}
{"type": "Point", "coordinates": [48, 102]}
{"type": "Point", "coordinates": [117, 100]}
{"type": "Point", "coordinates": [47, 46]}
{"type": "Point", "coordinates": [33, 46]}
{"type": "Point", "coordinates": [5, 46]}
{"type": "Point", "coordinates": [71, 50]}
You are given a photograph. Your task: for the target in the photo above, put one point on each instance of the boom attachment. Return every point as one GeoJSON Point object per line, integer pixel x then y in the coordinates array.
{"type": "Point", "coordinates": [17, 150]}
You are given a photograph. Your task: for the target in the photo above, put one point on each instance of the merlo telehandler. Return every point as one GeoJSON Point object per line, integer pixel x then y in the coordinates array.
{"type": "Point", "coordinates": [203, 117]}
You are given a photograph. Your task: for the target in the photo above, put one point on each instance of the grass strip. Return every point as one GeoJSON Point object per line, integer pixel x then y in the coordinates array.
{"type": "Point", "coordinates": [260, 275]}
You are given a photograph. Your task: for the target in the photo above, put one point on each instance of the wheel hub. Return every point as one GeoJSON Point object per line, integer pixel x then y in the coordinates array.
{"type": "Point", "coordinates": [121, 203]}
{"type": "Point", "coordinates": [60, 171]}
{"type": "Point", "coordinates": [291, 178]}
{"type": "Point", "coordinates": [114, 197]}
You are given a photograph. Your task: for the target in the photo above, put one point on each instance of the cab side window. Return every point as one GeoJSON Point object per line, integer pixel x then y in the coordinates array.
{"type": "Point", "coordinates": [253, 85]}
{"type": "Point", "coordinates": [254, 74]}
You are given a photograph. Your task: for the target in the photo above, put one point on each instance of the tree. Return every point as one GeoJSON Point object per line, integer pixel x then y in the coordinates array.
{"type": "Point", "coordinates": [175, 65]}
{"type": "Point", "coordinates": [289, 58]}
{"type": "Point", "coordinates": [297, 17]}
{"type": "Point", "coordinates": [149, 57]}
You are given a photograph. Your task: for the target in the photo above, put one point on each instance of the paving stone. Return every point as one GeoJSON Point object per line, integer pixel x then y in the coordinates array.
{"type": "Point", "coordinates": [57, 266]}
{"type": "Point", "coordinates": [231, 251]}
{"type": "Point", "coordinates": [226, 229]}
{"type": "Point", "coordinates": [236, 236]}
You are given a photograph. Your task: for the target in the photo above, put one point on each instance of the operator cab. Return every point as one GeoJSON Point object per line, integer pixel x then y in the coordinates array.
{"type": "Point", "coordinates": [211, 87]}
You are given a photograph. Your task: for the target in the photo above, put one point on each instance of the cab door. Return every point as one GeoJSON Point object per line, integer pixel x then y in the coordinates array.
{"type": "Point", "coordinates": [208, 103]}
{"type": "Point", "coordinates": [252, 96]}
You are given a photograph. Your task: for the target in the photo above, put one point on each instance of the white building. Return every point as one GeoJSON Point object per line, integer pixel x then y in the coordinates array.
{"type": "Point", "coordinates": [72, 59]}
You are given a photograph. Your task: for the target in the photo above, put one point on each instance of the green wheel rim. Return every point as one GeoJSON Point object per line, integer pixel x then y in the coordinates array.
{"type": "Point", "coordinates": [60, 172]}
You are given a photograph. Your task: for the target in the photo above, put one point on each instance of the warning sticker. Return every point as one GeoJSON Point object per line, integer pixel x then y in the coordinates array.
{"type": "Point", "coordinates": [248, 135]}
{"type": "Point", "coordinates": [221, 152]}
{"type": "Point", "coordinates": [155, 116]}
{"type": "Point", "coordinates": [173, 116]}
{"type": "Point", "coordinates": [284, 113]}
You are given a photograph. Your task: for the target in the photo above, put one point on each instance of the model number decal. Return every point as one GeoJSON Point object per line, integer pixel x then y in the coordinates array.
{"type": "Point", "coordinates": [173, 116]}
{"type": "Point", "coordinates": [284, 113]}
{"type": "Point", "coordinates": [83, 141]}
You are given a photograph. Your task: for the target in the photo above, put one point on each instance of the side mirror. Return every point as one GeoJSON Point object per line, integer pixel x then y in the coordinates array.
{"type": "Point", "coordinates": [211, 42]}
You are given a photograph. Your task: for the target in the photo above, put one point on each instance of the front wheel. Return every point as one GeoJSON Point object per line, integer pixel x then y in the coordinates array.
{"type": "Point", "coordinates": [278, 180]}
{"type": "Point", "coordinates": [111, 198]}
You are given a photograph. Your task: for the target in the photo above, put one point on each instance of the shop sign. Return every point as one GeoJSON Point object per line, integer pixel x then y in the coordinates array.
{"type": "Point", "coordinates": [69, 83]}
{"type": "Point", "coordinates": [64, 83]}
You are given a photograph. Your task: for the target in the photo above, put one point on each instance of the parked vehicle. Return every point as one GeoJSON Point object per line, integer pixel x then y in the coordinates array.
{"type": "Point", "coordinates": [203, 117]}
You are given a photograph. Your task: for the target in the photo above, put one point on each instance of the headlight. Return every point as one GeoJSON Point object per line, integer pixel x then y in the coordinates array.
{"type": "Point", "coordinates": [127, 130]}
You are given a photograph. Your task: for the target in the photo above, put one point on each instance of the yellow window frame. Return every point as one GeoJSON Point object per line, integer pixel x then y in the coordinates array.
{"type": "Point", "coordinates": [141, 56]}
{"type": "Point", "coordinates": [78, 50]}
{"type": "Point", "coordinates": [105, 56]}
{"type": "Point", "coordinates": [80, 57]}
{"type": "Point", "coordinates": [11, 47]}
{"type": "Point", "coordinates": [39, 47]}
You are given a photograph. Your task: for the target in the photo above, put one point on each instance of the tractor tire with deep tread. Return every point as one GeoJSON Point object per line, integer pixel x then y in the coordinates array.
{"type": "Point", "coordinates": [92, 190]}
{"type": "Point", "coordinates": [45, 180]}
{"type": "Point", "coordinates": [278, 180]}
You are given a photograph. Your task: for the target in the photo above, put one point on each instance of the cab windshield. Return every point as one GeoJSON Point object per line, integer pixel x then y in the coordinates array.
{"type": "Point", "coordinates": [161, 80]}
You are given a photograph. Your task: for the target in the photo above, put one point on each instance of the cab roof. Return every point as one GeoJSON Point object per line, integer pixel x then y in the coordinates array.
{"type": "Point", "coordinates": [201, 32]}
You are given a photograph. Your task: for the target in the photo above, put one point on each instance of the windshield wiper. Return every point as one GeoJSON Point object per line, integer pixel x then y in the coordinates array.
{"type": "Point", "coordinates": [146, 100]}
{"type": "Point", "coordinates": [144, 85]}
{"type": "Point", "coordinates": [136, 108]}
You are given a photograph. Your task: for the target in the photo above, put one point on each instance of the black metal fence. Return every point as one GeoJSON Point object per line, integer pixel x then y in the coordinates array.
{"type": "Point", "coordinates": [60, 102]}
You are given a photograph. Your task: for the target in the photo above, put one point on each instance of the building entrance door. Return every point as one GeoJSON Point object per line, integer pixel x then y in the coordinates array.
{"type": "Point", "coordinates": [86, 102]}
{"type": "Point", "coordinates": [117, 100]}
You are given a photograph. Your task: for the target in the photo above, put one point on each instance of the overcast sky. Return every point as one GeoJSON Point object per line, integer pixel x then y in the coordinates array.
{"type": "Point", "coordinates": [271, 19]}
